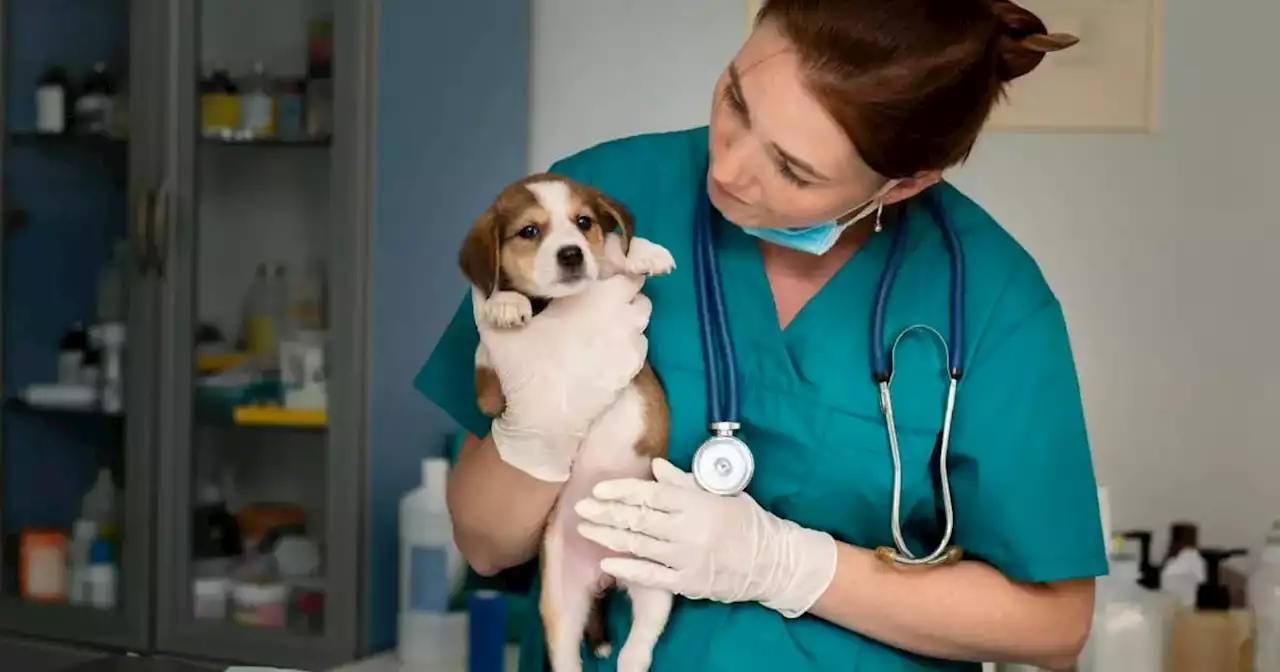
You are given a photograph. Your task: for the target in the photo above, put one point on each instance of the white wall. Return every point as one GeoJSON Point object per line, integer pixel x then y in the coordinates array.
{"type": "Point", "coordinates": [1159, 246]}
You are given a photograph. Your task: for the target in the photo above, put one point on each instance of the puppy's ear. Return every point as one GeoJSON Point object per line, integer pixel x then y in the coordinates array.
{"type": "Point", "coordinates": [479, 255]}
{"type": "Point", "coordinates": [615, 218]}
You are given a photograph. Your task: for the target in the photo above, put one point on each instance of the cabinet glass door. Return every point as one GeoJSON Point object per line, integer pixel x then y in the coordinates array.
{"type": "Point", "coordinates": [75, 469]}
{"type": "Point", "coordinates": [246, 301]}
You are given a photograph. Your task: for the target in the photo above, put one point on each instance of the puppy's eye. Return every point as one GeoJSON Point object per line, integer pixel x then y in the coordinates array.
{"type": "Point", "coordinates": [529, 232]}
{"type": "Point", "coordinates": [584, 222]}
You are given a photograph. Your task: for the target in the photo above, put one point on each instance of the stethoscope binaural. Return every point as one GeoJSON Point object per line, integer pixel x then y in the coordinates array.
{"type": "Point", "coordinates": [724, 465]}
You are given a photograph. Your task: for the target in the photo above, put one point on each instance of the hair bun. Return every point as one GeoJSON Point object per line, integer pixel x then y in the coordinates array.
{"type": "Point", "coordinates": [1024, 40]}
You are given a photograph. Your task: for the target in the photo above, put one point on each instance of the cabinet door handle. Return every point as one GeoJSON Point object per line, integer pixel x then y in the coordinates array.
{"type": "Point", "coordinates": [160, 228]}
{"type": "Point", "coordinates": [143, 207]}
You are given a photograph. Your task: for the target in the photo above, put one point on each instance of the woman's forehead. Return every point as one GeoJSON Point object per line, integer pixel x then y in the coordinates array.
{"type": "Point", "coordinates": [785, 113]}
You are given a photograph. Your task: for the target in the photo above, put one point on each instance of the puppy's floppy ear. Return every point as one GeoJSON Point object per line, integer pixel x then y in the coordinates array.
{"type": "Point", "coordinates": [615, 218]}
{"type": "Point", "coordinates": [479, 256]}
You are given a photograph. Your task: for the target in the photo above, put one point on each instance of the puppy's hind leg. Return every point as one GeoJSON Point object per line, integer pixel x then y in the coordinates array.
{"type": "Point", "coordinates": [566, 602]}
{"type": "Point", "coordinates": [650, 608]}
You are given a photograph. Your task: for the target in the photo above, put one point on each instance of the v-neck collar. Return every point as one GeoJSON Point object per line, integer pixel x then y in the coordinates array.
{"type": "Point", "coordinates": [835, 310]}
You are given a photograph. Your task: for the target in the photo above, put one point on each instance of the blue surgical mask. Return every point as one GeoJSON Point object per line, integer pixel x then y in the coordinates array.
{"type": "Point", "coordinates": [820, 238]}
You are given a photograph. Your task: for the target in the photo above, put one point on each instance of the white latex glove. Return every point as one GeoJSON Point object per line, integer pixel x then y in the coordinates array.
{"type": "Point", "coordinates": [561, 370]}
{"type": "Point", "coordinates": [705, 546]}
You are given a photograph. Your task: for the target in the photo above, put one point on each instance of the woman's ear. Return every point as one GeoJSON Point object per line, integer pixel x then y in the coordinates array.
{"type": "Point", "coordinates": [479, 256]}
{"type": "Point", "coordinates": [911, 186]}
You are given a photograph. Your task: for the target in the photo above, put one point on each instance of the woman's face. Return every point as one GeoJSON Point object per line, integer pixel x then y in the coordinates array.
{"type": "Point", "coordinates": [777, 158]}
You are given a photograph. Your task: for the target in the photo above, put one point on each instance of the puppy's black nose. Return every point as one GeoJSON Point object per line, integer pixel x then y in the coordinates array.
{"type": "Point", "coordinates": [569, 256]}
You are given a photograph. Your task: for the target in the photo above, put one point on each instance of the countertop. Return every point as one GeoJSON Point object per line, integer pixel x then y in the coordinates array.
{"type": "Point", "coordinates": [390, 662]}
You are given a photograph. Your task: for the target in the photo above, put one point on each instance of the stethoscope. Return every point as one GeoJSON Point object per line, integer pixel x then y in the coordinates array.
{"type": "Point", "coordinates": [724, 465]}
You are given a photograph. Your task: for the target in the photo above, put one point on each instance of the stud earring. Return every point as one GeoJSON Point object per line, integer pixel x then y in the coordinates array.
{"type": "Point", "coordinates": [879, 215]}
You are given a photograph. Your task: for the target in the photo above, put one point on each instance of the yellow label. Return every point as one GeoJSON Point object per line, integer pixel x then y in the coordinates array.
{"type": "Point", "coordinates": [219, 111]}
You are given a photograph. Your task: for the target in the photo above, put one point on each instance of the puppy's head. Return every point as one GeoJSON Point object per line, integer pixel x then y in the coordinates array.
{"type": "Point", "coordinates": [546, 236]}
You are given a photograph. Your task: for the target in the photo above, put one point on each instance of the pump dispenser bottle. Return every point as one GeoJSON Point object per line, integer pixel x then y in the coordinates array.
{"type": "Point", "coordinates": [1130, 623]}
{"type": "Point", "coordinates": [1150, 574]}
{"type": "Point", "coordinates": [1214, 637]}
{"type": "Point", "coordinates": [1264, 598]}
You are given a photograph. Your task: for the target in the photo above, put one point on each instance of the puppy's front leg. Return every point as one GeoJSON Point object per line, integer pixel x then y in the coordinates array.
{"type": "Point", "coordinates": [505, 310]}
{"type": "Point", "coordinates": [648, 258]}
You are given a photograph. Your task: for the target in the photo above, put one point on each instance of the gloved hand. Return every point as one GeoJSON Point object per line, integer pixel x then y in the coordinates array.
{"type": "Point", "coordinates": [563, 369]}
{"type": "Point", "coordinates": [705, 546]}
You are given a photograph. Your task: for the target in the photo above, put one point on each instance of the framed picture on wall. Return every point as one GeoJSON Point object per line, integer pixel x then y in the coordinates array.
{"type": "Point", "coordinates": [1108, 82]}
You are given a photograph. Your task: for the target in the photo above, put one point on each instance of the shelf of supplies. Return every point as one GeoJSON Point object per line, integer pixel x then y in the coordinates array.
{"type": "Point", "coordinates": [316, 141]}
{"type": "Point", "coordinates": [32, 138]}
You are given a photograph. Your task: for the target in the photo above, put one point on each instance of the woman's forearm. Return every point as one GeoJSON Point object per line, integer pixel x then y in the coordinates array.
{"type": "Point", "coordinates": [967, 611]}
{"type": "Point", "coordinates": [498, 511]}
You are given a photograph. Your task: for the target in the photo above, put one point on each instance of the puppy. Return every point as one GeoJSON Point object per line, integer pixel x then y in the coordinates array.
{"type": "Point", "coordinates": [547, 237]}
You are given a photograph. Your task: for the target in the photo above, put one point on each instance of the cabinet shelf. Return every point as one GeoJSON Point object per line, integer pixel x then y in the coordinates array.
{"type": "Point", "coordinates": [87, 411]}
{"type": "Point", "coordinates": [72, 139]}
{"type": "Point", "coordinates": [304, 142]}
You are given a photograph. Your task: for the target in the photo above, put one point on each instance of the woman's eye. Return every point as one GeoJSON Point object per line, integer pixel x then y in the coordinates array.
{"type": "Point", "coordinates": [584, 222]}
{"type": "Point", "coordinates": [530, 231]}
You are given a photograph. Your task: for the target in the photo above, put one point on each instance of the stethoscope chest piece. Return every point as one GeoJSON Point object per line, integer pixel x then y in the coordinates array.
{"type": "Point", "coordinates": [723, 464]}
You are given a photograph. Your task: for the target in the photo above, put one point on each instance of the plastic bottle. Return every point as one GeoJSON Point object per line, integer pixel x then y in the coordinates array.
{"type": "Point", "coordinates": [102, 575]}
{"type": "Point", "coordinates": [1213, 637]}
{"type": "Point", "coordinates": [99, 504]}
{"type": "Point", "coordinates": [1264, 597]}
{"type": "Point", "coordinates": [1184, 568]}
{"type": "Point", "coordinates": [257, 107]}
{"type": "Point", "coordinates": [429, 568]}
{"type": "Point", "coordinates": [1130, 623]}
{"type": "Point", "coordinates": [93, 106]}
{"type": "Point", "coordinates": [52, 109]}
{"type": "Point", "coordinates": [83, 534]}
{"type": "Point", "coordinates": [259, 323]}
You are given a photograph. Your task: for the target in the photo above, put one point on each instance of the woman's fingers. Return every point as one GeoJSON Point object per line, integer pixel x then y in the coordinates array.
{"type": "Point", "coordinates": [631, 543]}
{"type": "Point", "coordinates": [638, 492]}
{"type": "Point", "coordinates": [642, 572]}
{"type": "Point", "coordinates": [647, 521]}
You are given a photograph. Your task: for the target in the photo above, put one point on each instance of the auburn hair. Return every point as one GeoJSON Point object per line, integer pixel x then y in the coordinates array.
{"type": "Point", "coordinates": [912, 82]}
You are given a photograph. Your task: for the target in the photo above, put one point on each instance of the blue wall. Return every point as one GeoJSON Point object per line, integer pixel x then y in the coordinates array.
{"type": "Point", "coordinates": [452, 130]}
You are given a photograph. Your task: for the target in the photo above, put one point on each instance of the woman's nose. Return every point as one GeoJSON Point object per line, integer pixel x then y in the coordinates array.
{"type": "Point", "coordinates": [731, 168]}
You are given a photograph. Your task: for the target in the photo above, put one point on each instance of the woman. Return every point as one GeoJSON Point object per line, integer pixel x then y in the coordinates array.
{"type": "Point", "coordinates": [833, 121]}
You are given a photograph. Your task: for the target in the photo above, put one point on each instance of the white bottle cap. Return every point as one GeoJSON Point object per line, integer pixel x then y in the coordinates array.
{"type": "Point", "coordinates": [435, 476]}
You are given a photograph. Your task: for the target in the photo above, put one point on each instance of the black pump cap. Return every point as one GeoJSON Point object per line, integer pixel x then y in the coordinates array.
{"type": "Point", "coordinates": [1212, 595]}
{"type": "Point", "coordinates": [1150, 574]}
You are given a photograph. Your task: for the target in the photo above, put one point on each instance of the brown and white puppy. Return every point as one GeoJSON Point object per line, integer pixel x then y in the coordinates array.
{"type": "Point", "coordinates": [546, 237]}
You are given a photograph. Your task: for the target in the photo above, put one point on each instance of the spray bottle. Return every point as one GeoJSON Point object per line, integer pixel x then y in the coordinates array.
{"type": "Point", "coordinates": [1214, 636]}
{"type": "Point", "coordinates": [1130, 623]}
{"type": "Point", "coordinates": [1264, 597]}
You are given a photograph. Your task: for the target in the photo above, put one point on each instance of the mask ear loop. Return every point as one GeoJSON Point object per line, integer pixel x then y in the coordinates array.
{"type": "Point", "coordinates": [879, 216]}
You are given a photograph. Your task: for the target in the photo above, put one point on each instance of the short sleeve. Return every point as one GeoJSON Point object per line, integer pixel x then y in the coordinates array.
{"type": "Point", "coordinates": [1027, 500]}
{"type": "Point", "coordinates": [448, 377]}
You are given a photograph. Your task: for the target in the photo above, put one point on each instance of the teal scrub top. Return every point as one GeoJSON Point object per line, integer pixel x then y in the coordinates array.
{"type": "Point", "coordinates": [1022, 478]}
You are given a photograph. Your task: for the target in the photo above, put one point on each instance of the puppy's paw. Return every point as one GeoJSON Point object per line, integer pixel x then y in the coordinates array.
{"type": "Point", "coordinates": [602, 650]}
{"type": "Point", "coordinates": [506, 310]}
{"type": "Point", "coordinates": [649, 258]}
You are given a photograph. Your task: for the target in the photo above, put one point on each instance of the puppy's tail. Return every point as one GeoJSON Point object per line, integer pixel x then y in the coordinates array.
{"type": "Point", "coordinates": [596, 631]}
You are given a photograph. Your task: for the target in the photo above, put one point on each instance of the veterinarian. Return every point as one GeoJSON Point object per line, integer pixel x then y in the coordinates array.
{"type": "Point", "coordinates": [841, 116]}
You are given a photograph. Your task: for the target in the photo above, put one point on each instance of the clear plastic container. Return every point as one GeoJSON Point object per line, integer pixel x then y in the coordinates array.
{"type": "Point", "coordinates": [260, 604]}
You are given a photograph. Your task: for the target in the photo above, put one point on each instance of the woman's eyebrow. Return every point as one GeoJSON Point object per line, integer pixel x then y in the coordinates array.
{"type": "Point", "coordinates": [735, 89]}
